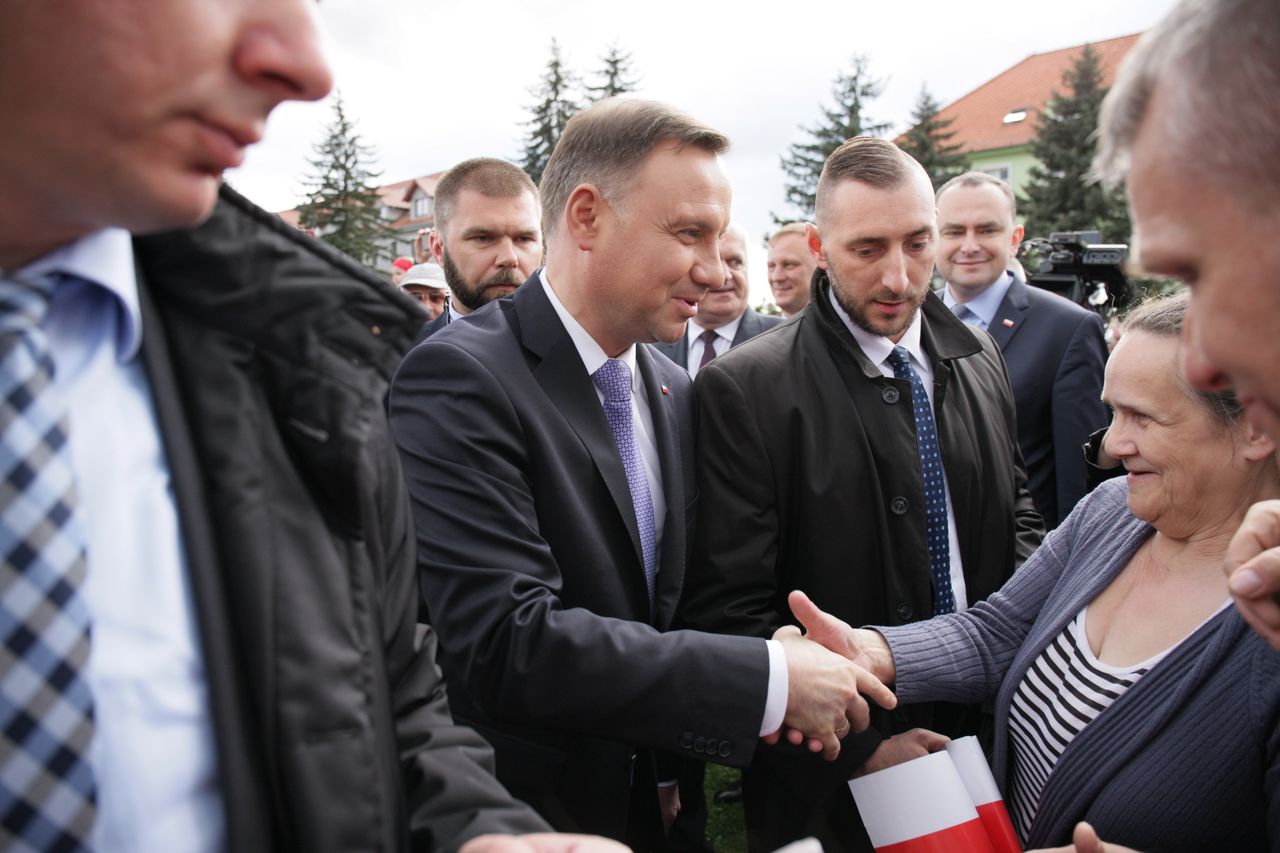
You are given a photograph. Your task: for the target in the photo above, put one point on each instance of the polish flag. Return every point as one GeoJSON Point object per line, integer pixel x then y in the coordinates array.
{"type": "Point", "coordinates": [974, 771]}
{"type": "Point", "coordinates": [920, 806]}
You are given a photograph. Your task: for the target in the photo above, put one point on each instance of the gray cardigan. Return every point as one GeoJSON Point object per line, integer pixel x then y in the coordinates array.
{"type": "Point", "coordinates": [1185, 760]}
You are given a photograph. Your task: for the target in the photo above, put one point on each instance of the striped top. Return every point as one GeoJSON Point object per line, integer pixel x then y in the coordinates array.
{"type": "Point", "coordinates": [1062, 692]}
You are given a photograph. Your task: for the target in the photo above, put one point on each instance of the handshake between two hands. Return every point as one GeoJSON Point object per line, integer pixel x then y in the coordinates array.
{"type": "Point", "coordinates": [829, 669]}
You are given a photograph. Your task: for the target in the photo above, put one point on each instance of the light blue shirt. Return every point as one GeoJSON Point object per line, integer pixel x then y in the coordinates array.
{"type": "Point", "coordinates": [153, 749]}
{"type": "Point", "coordinates": [593, 356]}
{"type": "Point", "coordinates": [985, 305]}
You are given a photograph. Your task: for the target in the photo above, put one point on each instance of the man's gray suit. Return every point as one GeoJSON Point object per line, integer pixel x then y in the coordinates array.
{"type": "Point", "coordinates": [532, 570]}
{"type": "Point", "coordinates": [752, 324]}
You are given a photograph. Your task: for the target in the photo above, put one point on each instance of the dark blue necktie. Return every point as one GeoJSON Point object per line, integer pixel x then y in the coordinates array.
{"type": "Point", "coordinates": [935, 484]}
{"type": "Point", "coordinates": [614, 381]}
{"type": "Point", "coordinates": [47, 792]}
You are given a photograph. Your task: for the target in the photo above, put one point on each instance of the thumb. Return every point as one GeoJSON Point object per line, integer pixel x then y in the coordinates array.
{"type": "Point", "coordinates": [821, 626]}
{"type": "Point", "coordinates": [1086, 839]}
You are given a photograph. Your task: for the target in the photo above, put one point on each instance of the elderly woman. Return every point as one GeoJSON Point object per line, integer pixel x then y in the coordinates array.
{"type": "Point", "coordinates": [1127, 692]}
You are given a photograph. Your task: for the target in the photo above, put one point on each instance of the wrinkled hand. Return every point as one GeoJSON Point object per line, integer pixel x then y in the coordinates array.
{"type": "Point", "coordinates": [864, 647]}
{"type": "Point", "coordinates": [1253, 569]}
{"type": "Point", "coordinates": [542, 842]}
{"type": "Point", "coordinates": [824, 690]}
{"type": "Point", "coordinates": [668, 805]}
{"type": "Point", "coordinates": [1085, 840]}
{"type": "Point", "coordinates": [916, 743]}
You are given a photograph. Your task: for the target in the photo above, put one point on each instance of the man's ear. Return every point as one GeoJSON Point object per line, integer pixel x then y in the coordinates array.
{"type": "Point", "coordinates": [814, 241]}
{"type": "Point", "coordinates": [1258, 445]}
{"type": "Point", "coordinates": [1018, 232]}
{"type": "Point", "coordinates": [435, 245]}
{"type": "Point", "coordinates": [584, 213]}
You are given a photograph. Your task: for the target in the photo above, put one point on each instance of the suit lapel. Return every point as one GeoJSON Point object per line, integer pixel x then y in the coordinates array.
{"type": "Point", "coordinates": [746, 328]}
{"type": "Point", "coordinates": [666, 430]}
{"type": "Point", "coordinates": [1010, 315]}
{"type": "Point", "coordinates": [563, 378]}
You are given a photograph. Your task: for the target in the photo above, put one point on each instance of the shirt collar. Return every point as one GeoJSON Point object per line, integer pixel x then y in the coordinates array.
{"type": "Point", "coordinates": [591, 353]}
{"type": "Point", "coordinates": [728, 331]}
{"type": "Point", "coordinates": [876, 347]}
{"type": "Point", "coordinates": [103, 258]}
{"type": "Point", "coordinates": [985, 305]}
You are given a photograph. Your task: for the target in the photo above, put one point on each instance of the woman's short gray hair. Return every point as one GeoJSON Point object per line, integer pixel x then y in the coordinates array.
{"type": "Point", "coordinates": [1165, 317]}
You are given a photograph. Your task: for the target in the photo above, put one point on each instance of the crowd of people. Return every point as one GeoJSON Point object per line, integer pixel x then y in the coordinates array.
{"type": "Point", "coordinates": [292, 561]}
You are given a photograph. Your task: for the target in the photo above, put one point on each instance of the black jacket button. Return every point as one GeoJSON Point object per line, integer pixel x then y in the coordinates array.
{"type": "Point", "coordinates": [686, 740]}
{"type": "Point", "coordinates": [905, 611]}
{"type": "Point", "coordinates": [890, 394]}
{"type": "Point", "coordinates": [700, 744]}
{"type": "Point", "coordinates": [899, 505]}
{"type": "Point", "coordinates": [725, 749]}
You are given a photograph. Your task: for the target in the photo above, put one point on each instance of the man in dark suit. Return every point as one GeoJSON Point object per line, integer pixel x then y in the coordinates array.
{"type": "Point", "coordinates": [1054, 348]}
{"type": "Point", "coordinates": [487, 238]}
{"type": "Point", "coordinates": [724, 319]}
{"type": "Point", "coordinates": [548, 451]}
{"type": "Point", "coordinates": [862, 452]}
{"type": "Point", "coordinates": [215, 571]}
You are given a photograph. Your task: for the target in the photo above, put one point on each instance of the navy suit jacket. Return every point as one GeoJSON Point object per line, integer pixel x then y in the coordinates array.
{"type": "Point", "coordinates": [532, 569]}
{"type": "Point", "coordinates": [1055, 352]}
{"type": "Point", "coordinates": [753, 323]}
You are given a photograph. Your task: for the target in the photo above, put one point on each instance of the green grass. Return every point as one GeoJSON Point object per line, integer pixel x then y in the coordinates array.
{"type": "Point", "coordinates": [724, 822]}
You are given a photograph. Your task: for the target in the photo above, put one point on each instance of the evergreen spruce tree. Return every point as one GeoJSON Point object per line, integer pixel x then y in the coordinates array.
{"type": "Point", "coordinates": [342, 204]}
{"type": "Point", "coordinates": [1059, 196]}
{"type": "Point", "coordinates": [615, 77]}
{"type": "Point", "coordinates": [549, 116]}
{"type": "Point", "coordinates": [928, 141]}
{"type": "Point", "coordinates": [803, 163]}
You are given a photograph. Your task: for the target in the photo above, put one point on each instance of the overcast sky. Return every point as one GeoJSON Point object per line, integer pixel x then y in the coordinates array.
{"type": "Point", "coordinates": [432, 82]}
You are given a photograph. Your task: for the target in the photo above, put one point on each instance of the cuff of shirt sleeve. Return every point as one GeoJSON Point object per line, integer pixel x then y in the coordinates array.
{"type": "Point", "coordinates": [775, 706]}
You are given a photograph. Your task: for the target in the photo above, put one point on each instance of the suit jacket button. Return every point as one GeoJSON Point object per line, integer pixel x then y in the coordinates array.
{"type": "Point", "coordinates": [899, 506]}
{"type": "Point", "coordinates": [905, 612]}
{"type": "Point", "coordinates": [712, 745]}
{"type": "Point", "coordinates": [686, 740]}
{"type": "Point", "coordinates": [700, 744]}
{"type": "Point", "coordinates": [725, 749]}
{"type": "Point", "coordinates": [890, 394]}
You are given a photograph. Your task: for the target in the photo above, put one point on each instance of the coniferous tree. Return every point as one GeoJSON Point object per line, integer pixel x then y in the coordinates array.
{"type": "Point", "coordinates": [555, 107]}
{"type": "Point", "coordinates": [1059, 195]}
{"type": "Point", "coordinates": [929, 141]}
{"type": "Point", "coordinates": [803, 163]}
{"type": "Point", "coordinates": [342, 204]}
{"type": "Point", "coordinates": [615, 77]}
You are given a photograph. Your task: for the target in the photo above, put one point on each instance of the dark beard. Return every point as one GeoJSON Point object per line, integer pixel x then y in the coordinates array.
{"type": "Point", "coordinates": [859, 316]}
{"type": "Point", "coordinates": [476, 297]}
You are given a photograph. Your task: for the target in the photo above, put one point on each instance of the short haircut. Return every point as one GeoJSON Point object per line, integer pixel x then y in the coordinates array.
{"type": "Point", "coordinates": [865, 159]}
{"type": "Point", "coordinates": [1164, 317]}
{"type": "Point", "coordinates": [982, 179]}
{"type": "Point", "coordinates": [485, 175]}
{"type": "Point", "coordinates": [1217, 64]}
{"type": "Point", "coordinates": [605, 144]}
{"type": "Point", "coordinates": [789, 228]}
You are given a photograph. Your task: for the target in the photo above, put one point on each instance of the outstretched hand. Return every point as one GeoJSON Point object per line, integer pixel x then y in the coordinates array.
{"type": "Point", "coordinates": [824, 700]}
{"type": "Point", "coordinates": [864, 647]}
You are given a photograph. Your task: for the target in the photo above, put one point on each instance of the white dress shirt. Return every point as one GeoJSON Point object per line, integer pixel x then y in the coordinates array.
{"type": "Point", "coordinates": [593, 356]}
{"type": "Point", "coordinates": [696, 346]}
{"type": "Point", "coordinates": [878, 349]}
{"type": "Point", "coordinates": [153, 751]}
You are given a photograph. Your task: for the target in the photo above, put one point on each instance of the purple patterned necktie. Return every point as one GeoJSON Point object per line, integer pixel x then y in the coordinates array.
{"type": "Point", "coordinates": [708, 347]}
{"type": "Point", "coordinates": [614, 381]}
{"type": "Point", "coordinates": [935, 484]}
{"type": "Point", "coordinates": [47, 791]}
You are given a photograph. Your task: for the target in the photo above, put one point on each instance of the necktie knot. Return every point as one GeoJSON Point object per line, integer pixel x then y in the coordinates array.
{"type": "Point", "coordinates": [25, 302]}
{"type": "Point", "coordinates": [613, 378]}
{"type": "Point", "coordinates": [900, 361]}
{"type": "Point", "coordinates": [709, 336]}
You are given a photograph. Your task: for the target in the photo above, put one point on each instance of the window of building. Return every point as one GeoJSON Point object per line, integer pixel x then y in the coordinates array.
{"type": "Point", "coordinates": [1003, 172]}
{"type": "Point", "coordinates": [423, 205]}
{"type": "Point", "coordinates": [1015, 115]}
